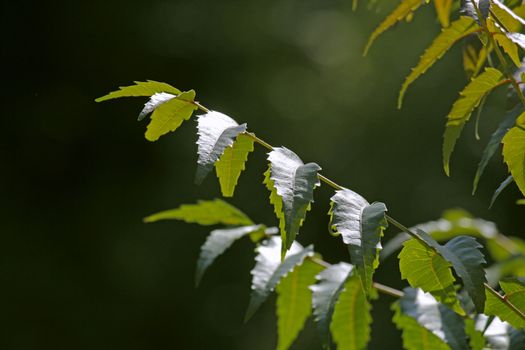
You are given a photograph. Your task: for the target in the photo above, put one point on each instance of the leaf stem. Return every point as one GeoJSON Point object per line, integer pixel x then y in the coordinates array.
{"type": "Point", "coordinates": [378, 286]}
{"type": "Point", "coordinates": [505, 301]}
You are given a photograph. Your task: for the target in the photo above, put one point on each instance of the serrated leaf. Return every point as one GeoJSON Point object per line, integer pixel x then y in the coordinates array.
{"type": "Point", "coordinates": [269, 270]}
{"type": "Point", "coordinates": [155, 100]}
{"type": "Point", "coordinates": [510, 20]}
{"type": "Point", "coordinates": [169, 115]}
{"type": "Point", "coordinates": [232, 163]}
{"type": "Point", "coordinates": [404, 9]}
{"type": "Point", "coordinates": [141, 88]}
{"type": "Point", "coordinates": [500, 189]}
{"type": "Point", "coordinates": [351, 319]}
{"type": "Point", "coordinates": [514, 154]}
{"type": "Point", "coordinates": [217, 243]}
{"type": "Point", "coordinates": [500, 36]}
{"type": "Point", "coordinates": [294, 302]}
{"type": "Point", "coordinates": [325, 294]}
{"type": "Point", "coordinates": [444, 41]}
{"type": "Point", "coordinates": [294, 183]}
{"type": "Point", "coordinates": [494, 142]}
{"type": "Point", "coordinates": [216, 132]}
{"type": "Point", "coordinates": [427, 324]}
{"type": "Point", "coordinates": [511, 306]}
{"type": "Point", "coordinates": [361, 226]}
{"type": "Point", "coordinates": [462, 109]}
{"type": "Point", "coordinates": [425, 268]}
{"type": "Point", "coordinates": [443, 8]}
{"type": "Point", "coordinates": [210, 212]}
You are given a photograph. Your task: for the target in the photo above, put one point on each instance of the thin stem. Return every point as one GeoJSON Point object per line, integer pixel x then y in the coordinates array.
{"type": "Point", "coordinates": [378, 286]}
{"type": "Point", "coordinates": [505, 301]}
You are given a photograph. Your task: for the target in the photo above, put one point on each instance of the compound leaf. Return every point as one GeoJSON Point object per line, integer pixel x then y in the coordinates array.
{"type": "Point", "coordinates": [232, 163]}
{"type": "Point", "coordinates": [216, 132]}
{"type": "Point", "coordinates": [294, 302]}
{"type": "Point", "coordinates": [351, 319]}
{"type": "Point", "coordinates": [469, 99]}
{"type": "Point", "coordinates": [500, 36]}
{"type": "Point", "coordinates": [459, 29]}
{"type": "Point", "coordinates": [294, 183]}
{"type": "Point", "coordinates": [217, 243]}
{"type": "Point", "coordinates": [361, 226]}
{"type": "Point", "coordinates": [169, 115]}
{"type": "Point", "coordinates": [493, 144]}
{"type": "Point", "coordinates": [511, 306]}
{"type": "Point", "coordinates": [404, 9]}
{"type": "Point", "coordinates": [269, 270]}
{"type": "Point", "coordinates": [210, 212]}
{"type": "Point", "coordinates": [427, 324]}
{"type": "Point", "coordinates": [141, 88]}
{"type": "Point", "coordinates": [325, 294]}
{"type": "Point", "coordinates": [514, 152]}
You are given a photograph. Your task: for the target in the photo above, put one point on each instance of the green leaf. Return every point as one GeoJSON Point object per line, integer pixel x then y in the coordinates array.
{"type": "Point", "coordinates": [155, 100]}
{"type": "Point", "coordinates": [325, 295]}
{"type": "Point", "coordinates": [211, 212]}
{"type": "Point", "coordinates": [141, 88]}
{"type": "Point", "coordinates": [444, 41]}
{"type": "Point", "coordinates": [427, 324]}
{"type": "Point", "coordinates": [514, 154]}
{"type": "Point", "coordinates": [294, 183]}
{"type": "Point", "coordinates": [500, 36]}
{"type": "Point", "coordinates": [425, 268]}
{"type": "Point", "coordinates": [216, 132]}
{"type": "Point", "coordinates": [476, 338]}
{"type": "Point", "coordinates": [443, 8]}
{"type": "Point", "coordinates": [404, 9]}
{"type": "Point", "coordinates": [232, 163]}
{"type": "Point", "coordinates": [351, 319]}
{"type": "Point", "coordinates": [500, 189]}
{"type": "Point", "coordinates": [217, 243]}
{"type": "Point", "coordinates": [511, 306]}
{"type": "Point", "coordinates": [474, 57]}
{"type": "Point", "coordinates": [361, 225]}
{"type": "Point", "coordinates": [269, 270]}
{"type": "Point", "coordinates": [462, 109]}
{"type": "Point", "coordinates": [294, 302]}
{"type": "Point", "coordinates": [510, 20]}
{"type": "Point", "coordinates": [169, 115]}
{"type": "Point", "coordinates": [494, 142]}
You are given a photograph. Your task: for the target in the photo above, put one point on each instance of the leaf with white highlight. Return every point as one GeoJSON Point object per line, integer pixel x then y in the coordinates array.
{"type": "Point", "coordinates": [293, 182]}
{"type": "Point", "coordinates": [154, 101]}
{"type": "Point", "coordinates": [216, 132]}
{"type": "Point", "coordinates": [269, 269]}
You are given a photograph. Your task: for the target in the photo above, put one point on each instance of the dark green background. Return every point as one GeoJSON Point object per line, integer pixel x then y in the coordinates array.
{"type": "Point", "coordinates": [78, 268]}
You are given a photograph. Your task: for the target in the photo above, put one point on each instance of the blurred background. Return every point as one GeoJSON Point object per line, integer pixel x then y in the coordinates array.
{"type": "Point", "coordinates": [79, 269]}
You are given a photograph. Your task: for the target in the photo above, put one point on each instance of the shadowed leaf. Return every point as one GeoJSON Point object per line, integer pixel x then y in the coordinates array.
{"type": "Point", "coordinates": [514, 152]}
{"type": "Point", "coordinates": [443, 8]}
{"type": "Point", "coordinates": [500, 189]}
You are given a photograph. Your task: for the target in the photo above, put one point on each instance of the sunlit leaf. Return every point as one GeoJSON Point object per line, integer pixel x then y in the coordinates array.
{"type": "Point", "coordinates": [444, 41]}
{"type": "Point", "coordinates": [509, 307]}
{"type": "Point", "coordinates": [169, 115]}
{"type": "Point", "coordinates": [211, 212]}
{"type": "Point", "coordinates": [443, 8]}
{"type": "Point", "coordinates": [404, 9]}
{"type": "Point", "coordinates": [500, 36]}
{"type": "Point", "coordinates": [427, 324]}
{"type": "Point", "coordinates": [514, 152]}
{"type": "Point", "coordinates": [141, 88]}
{"type": "Point", "coordinates": [216, 132]}
{"type": "Point", "coordinates": [217, 243]}
{"type": "Point", "coordinates": [294, 183]}
{"type": "Point", "coordinates": [508, 18]}
{"type": "Point", "coordinates": [325, 294]}
{"type": "Point", "coordinates": [294, 302]}
{"type": "Point", "coordinates": [351, 319]}
{"type": "Point", "coordinates": [462, 109]}
{"type": "Point", "coordinates": [361, 225]}
{"type": "Point", "coordinates": [269, 270]}
{"type": "Point", "coordinates": [232, 163]}
{"type": "Point", "coordinates": [494, 143]}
